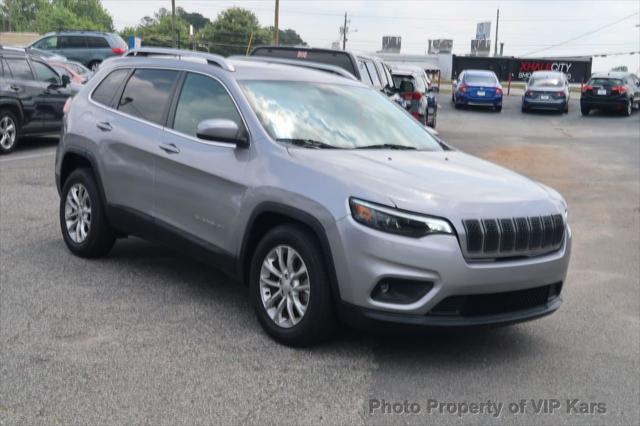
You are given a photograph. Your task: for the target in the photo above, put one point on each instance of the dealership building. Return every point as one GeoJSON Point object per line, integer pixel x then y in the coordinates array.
{"type": "Point", "coordinates": [440, 58]}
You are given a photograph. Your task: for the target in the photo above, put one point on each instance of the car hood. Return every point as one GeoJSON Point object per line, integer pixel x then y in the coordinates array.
{"type": "Point", "coordinates": [448, 183]}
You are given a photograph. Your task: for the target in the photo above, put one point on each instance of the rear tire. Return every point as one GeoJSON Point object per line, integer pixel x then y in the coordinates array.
{"type": "Point", "coordinates": [434, 119]}
{"type": "Point", "coordinates": [82, 219]}
{"type": "Point", "coordinates": [283, 321]}
{"type": "Point", "coordinates": [566, 108]}
{"type": "Point", "coordinates": [9, 131]}
{"type": "Point", "coordinates": [585, 110]}
{"type": "Point", "coordinates": [524, 109]}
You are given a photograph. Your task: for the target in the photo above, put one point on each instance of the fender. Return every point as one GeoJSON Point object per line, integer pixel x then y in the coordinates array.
{"type": "Point", "coordinates": [6, 101]}
{"type": "Point", "coordinates": [94, 166]}
{"type": "Point", "coordinates": [302, 217]}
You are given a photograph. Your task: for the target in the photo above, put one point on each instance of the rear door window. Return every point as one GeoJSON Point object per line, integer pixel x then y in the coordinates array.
{"type": "Point", "coordinates": [108, 87]}
{"type": "Point", "coordinates": [97, 43]}
{"type": "Point", "coordinates": [147, 94]}
{"type": "Point", "coordinates": [203, 98]}
{"type": "Point", "coordinates": [20, 69]}
{"type": "Point", "coordinates": [72, 42]}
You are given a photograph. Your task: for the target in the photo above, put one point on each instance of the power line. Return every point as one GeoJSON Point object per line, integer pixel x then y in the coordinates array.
{"type": "Point", "coordinates": [583, 35]}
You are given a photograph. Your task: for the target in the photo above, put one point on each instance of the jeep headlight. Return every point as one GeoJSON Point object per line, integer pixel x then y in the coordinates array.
{"type": "Point", "coordinates": [397, 222]}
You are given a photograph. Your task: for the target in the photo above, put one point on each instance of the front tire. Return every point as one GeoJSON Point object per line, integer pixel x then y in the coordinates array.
{"type": "Point", "coordinates": [82, 219]}
{"type": "Point", "coordinates": [290, 287]}
{"type": "Point", "coordinates": [9, 131]}
{"type": "Point", "coordinates": [629, 109]}
{"type": "Point", "coordinates": [498, 108]}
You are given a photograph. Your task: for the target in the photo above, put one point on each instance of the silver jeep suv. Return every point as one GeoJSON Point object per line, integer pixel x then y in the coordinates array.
{"type": "Point", "coordinates": [327, 199]}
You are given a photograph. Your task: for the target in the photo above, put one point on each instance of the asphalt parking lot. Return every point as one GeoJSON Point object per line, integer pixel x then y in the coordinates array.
{"type": "Point", "coordinates": [148, 336]}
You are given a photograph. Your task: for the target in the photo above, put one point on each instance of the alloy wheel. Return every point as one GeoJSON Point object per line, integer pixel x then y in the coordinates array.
{"type": "Point", "coordinates": [284, 286]}
{"type": "Point", "coordinates": [8, 132]}
{"type": "Point", "coordinates": [77, 213]}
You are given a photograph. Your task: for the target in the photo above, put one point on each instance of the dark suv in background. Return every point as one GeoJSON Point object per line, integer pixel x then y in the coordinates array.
{"type": "Point", "coordinates": [87, 47]}
{"type": "Point", "coordinates": [371, 70]}
{"type": "Point", "coordinates": [32, 97]}
{"type": "Point", "coordinates": [618, 91]}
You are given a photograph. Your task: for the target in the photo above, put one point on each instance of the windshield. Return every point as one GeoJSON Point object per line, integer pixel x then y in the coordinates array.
{"type": "Point", "coordinates": [545, 81]}
{"type": "Point", "coordinates": [337, 116]}
{"type": "Point", "coordinates": [480, 79]}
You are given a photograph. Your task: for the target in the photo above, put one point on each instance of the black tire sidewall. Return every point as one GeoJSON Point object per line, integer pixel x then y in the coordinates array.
{"type": "Point", "coordinates": [317, 322]}
{"type": "Point", "coordinates": [11, 115]}
{"type": "Point", "coordinates": [99, 240]}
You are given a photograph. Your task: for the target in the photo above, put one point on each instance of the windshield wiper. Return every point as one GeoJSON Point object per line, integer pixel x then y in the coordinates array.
{"type": "Point", "coordinates": [308, 143]}
{"type": "Point", "coordinates": [386, 146]}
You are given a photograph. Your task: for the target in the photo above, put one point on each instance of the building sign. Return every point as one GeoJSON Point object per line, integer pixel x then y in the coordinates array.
{"type": "Point", "coordinates": [440, 45]}
{"type": "Point", "coordinates": [391, 44]}
{"type": "Point", "coordinates": [575, 70]}
{"type": "Point", "coordinates": [483, 31]}
{"type": "Point", "coordinates": [480, 47]}
{"type": "Point", "coordinates": [578, 70]}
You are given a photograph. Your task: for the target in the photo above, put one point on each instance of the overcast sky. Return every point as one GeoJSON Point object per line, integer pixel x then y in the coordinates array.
{"type": "Point", "coordinates": [525, 26]}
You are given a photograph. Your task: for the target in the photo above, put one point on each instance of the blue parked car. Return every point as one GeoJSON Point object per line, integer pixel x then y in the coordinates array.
{"type": "Point", "coordinates": [478, 88]}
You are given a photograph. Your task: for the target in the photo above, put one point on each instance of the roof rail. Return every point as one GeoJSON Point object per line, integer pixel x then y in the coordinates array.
{"type": "Point", "coordinates": [331, 69]}
{"type": "Point", "coordinates": [211, 59]}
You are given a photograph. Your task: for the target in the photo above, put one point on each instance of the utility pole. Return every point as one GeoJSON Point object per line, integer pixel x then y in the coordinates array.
{"type": "Point", "coordinates": [276, 31]}
{"type": "Point", "coordinates": [173, 21]}
{"type": "Point", "coordinates": [344, 33]}
{"type": "Point", "coordinates": [495, 50]}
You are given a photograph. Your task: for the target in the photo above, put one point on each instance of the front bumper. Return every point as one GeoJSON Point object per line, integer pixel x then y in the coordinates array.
{"type": "Point", "coordinates": [364, 257]}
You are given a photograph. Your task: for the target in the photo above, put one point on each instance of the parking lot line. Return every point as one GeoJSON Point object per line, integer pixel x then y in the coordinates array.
{"type": "Point", "coordinates": [28, 156]}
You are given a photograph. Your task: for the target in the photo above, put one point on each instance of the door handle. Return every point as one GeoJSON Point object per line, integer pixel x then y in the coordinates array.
{"type": "Point", "coordinates": [14, 88]}
{"type": "Point", "coordinates": [104, 126]}
{"type": "Point", "coordinates": [170, 148]}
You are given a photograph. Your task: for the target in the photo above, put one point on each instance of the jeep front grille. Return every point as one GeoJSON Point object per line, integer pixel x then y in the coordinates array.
{"type": "Point", "coordinates": [519, 236]}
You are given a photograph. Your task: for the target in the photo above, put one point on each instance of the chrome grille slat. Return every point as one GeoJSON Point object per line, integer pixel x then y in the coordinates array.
{"type": "Point", "coordinates": [519, 236]}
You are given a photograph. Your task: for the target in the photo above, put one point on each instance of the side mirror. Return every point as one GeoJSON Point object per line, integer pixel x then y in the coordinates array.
{"type": "Point", "coordinates": [65, 80]}
{"type": "Point", "coordinates": [221, 130]}
{"type": "Point", "coordinates": [454, 81]}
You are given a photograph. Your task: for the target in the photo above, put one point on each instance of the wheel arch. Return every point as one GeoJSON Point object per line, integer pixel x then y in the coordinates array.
{"type": "Point", "coordinates": [268, 215]}
{"type": "Point", "coordinates": [13, 106]}
{"type": "Point", "coordinates": [74, 159]}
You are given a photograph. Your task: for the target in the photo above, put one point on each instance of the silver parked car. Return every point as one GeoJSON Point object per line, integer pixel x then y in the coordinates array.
{"type": "Point", "coordinates": [317, 191]}
{"type": "Point", "coordinates": [547, 90]}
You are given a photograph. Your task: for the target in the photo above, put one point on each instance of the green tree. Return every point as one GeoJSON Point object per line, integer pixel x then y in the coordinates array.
{"type": "Point", "coordinates": [230, 33]}
{"type": "Point", "coordinates": [288, 37]}
{"type": "Point", "coordinates": [90, 10]}
{"type": "Point", "coordinates": [20, 15]}
{"type": "Point", "coordinates": [51, 15]}
{"type": "Point", "coordinates": [194, 18]}
{"type": "Point", "coordinates": [156, 30]}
